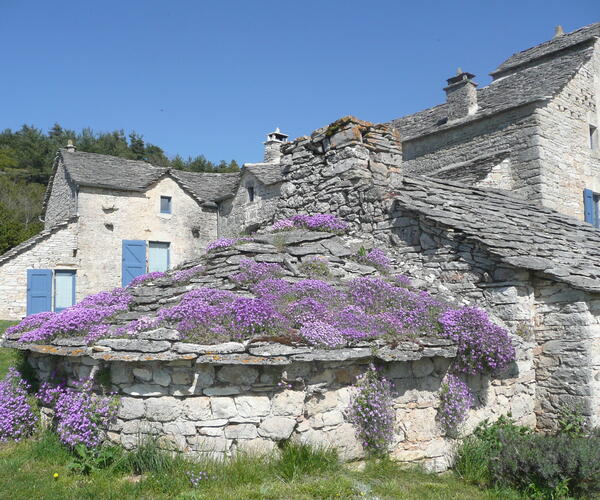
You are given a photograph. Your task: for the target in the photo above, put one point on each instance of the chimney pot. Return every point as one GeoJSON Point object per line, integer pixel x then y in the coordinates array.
{"type": "Point", "coordinates": [70, 146]}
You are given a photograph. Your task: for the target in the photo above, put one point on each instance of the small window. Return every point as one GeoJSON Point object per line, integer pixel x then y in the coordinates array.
{"type": "Point", "coordinates": [591, 206]}
{"type": "Point", "coordinates": [165, 204]}
{"type": "Point", "coordinates": [594, 140]}
{"type": "Point", "coordinates": [250, 193]}
{"type": "Point", "coordinates": [158, 256]}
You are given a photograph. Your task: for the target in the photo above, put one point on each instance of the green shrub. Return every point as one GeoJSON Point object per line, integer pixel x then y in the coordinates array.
{"type": "Point", "coordinates": [549, 466]}
{"type": "Point", "coordinates": [475, 453]}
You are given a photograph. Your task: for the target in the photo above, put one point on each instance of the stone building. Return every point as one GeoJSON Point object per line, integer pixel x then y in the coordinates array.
{"type": "Point", "coordinates": [532, 131]}
{"type": "Point", "coordinates": [108, 220]}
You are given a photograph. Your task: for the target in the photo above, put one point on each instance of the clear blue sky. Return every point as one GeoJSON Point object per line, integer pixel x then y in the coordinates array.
{"type": "Point", "coordinates": [213, 77]}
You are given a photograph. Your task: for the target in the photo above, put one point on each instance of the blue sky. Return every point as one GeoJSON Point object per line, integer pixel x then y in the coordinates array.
{"type": "Point", "coordinates": [212, 78]}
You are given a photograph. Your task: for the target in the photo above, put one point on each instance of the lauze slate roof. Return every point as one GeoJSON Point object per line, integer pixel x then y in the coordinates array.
{"type": "Point", "coordinates": [518, 233]}
{"type": "Point", "coordinates": [267, 173]}
{"type": "Point", "coordinates": [96, 170]}
{"type": "Point", "coordinates": [528, 83]}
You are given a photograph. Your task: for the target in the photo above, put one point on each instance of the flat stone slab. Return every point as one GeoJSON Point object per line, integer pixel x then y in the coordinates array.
{"type": "Point", "coordinates": [135, 345]}
{"type": "Point", "coordinates": [242, 359]}
{"type": "Point", "coordinates": [334, 354]}
{"type": "Point", "coordinates": [224, 348]}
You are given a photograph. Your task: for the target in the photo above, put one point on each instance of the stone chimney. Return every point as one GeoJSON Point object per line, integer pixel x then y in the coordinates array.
{"type": "Point", "coordinates": [273, 146]}
{"type": "Point", "coordinates": [461, 95]}
{"type": "Point", "coordinates": [70, 146]}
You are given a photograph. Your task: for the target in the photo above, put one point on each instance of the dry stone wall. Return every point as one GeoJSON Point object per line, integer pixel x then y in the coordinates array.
{"type": "Point", "coordinates": [239, 213]}
{"type": "Point", "coordinates": [231, 397]}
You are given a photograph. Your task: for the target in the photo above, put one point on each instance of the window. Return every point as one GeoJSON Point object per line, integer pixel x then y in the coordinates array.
{"type": "Point", "coordinates": [591, 207]}
{"type": "Point", "coordinates": [49, 290]}
{"type": "Point", "coordinates": [64, 289]}
{"type": "Point", "coordinates": [594, 140]}
{"type": "Point", "coordinates": [251, 193]}
{"type": "Point", "coordinates": [158, 256]}
{"type": "Point", "coordinates": [165, 204]}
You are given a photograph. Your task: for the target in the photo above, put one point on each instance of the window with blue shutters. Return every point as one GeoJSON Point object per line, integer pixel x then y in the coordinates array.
{"type": "Point", "coordinates": [591, 207]}
{"type": "Point", "coordinates": [50, 290]}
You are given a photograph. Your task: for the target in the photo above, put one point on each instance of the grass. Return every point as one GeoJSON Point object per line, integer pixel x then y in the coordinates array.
{"type": "Point", "coordinates": [294, 472]}
{"type": "Point", "coordinates": [298, 472]}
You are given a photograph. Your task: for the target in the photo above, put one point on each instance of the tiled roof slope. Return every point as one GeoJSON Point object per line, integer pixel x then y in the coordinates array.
{"type": "Point", "coordinates": [96, 170]}
{"type": "Point", "coordinates": [267, 173]}
{"type": "Point", "coordinates": [518, 233]}
{"type": "Point", "coordinates": [544, 49]}
{"type": "Point", "coordinates": [527, 85]}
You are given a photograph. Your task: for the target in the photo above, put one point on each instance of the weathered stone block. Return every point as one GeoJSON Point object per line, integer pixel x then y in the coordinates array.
{"type": "Point", "coordinates": [253, 406]}
{"type": "Point", "coordinates": [164, 409]}
{"type": "Point", "coordinates": [238, 375]}
{"type": "Point", "coordinates": [223, 407]}
{"type": "Point", "coordinates": [277, 427]}
{"type": "Point", "coordinates": [198, 408]}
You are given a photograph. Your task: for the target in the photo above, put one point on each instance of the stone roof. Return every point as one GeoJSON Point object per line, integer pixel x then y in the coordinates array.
{"type": "Point", "coordinates": [267, 173]}
{"type": "Point", "coordinates": [551, 46]}
{"type": "Point", "coordinates": [527, 85]}
{"type": "Point", "coordinates": [97, 170]}
{"type": "Point", "coordinates": [516, 232]}
{"type": "Point", "coordinates": [34, 240]}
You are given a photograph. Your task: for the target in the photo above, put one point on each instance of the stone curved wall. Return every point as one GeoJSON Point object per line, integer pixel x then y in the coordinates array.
{"type": "Point", "coordinates": [236, 397]}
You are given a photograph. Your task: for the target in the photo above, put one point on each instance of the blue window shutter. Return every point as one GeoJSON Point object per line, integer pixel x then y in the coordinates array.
{"type": "Point", "coordinates": [39, 290]}
{"type": "Point", "coordinates": [588, 206]}
{"type": "Point", "coordinates": [134, 260]}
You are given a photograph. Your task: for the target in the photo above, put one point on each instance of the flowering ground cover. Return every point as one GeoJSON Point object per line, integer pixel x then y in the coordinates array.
{"type": "Point", "coordinates": [315, 222]}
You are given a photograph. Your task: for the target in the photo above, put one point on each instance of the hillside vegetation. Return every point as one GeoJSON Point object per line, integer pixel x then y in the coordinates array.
{"type": "Point", "coordinates": [27, 156]}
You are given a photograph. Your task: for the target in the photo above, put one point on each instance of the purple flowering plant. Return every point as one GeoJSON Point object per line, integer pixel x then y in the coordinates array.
{"type": "Point", "coordinates": [253, 272]}
{"type": "Point", "coordinates": [17, 418]}
{"type": "Point", "coordinates": [317, 222]}
{"type": "Point", "coordinates": [371, 411]}
{"type": "Point", "coordinates": [455, 402]}
{"type": "Point", "coordinates": [226, 243]}
{"type": "Point", "coordinates": [146, 277]}
{"type": "Point", "coordinates": [84, 318]}
{"type": "Point", "coordinates": [376, 258]}
{"type": "Point", "coordinates": [81, 416]}
{"type": "Point", "coordinates": [186, 274]}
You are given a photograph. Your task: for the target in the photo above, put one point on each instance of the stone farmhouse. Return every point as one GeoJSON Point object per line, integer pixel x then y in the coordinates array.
{"type": "Point", "coordinates": [533, 131]}
{"type": "Point", "coordinates": [490, 199]}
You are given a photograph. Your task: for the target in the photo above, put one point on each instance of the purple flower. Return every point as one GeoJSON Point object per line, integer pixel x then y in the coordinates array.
{"type": "Point", "coordinates": [17, 419]}
{"type": "Point", "coordinates": [483, 347]}
{"type": "Point", "coordinates": [226, 243]}
{"type": "Point", "coordinates": [253, 272]}
{"type": "Point", "coordinates": [322, 334]}
{"type": "Point", "coordinates": [371, 410]}
{"type": "Point", "coordinates": [146, 277]}
{"type": "Point", "coordinates": [455, 401]}
{"type": "Point", "coordinates": [316, 222]}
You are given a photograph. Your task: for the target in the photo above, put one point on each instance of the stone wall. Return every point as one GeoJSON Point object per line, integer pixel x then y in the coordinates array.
{"type": "Point", "coordinates": [109, 217]}
{"type": "Point", "coordinates": [61, 204]}
{"type": "Point", "coordinates": [232, 397]}
{"type": "Point", "coordinates": [238, 214]}
{"type": "Point", "coordinates": [514, 131]}
{"type": "Point", "coordinates": [562, 321]}
{"type": "Point", "coordinates": [569, 163]}
{"type": "Point", "coordinates": [53, 248]}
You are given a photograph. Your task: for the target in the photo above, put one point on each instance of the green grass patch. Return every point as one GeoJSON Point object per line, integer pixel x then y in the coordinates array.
{"type": "Point", "coordinates": [294, 472]}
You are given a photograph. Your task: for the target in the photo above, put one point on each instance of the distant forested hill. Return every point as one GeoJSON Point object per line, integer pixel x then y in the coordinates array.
{"type": "Point", "coordinates": [26, 157]}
